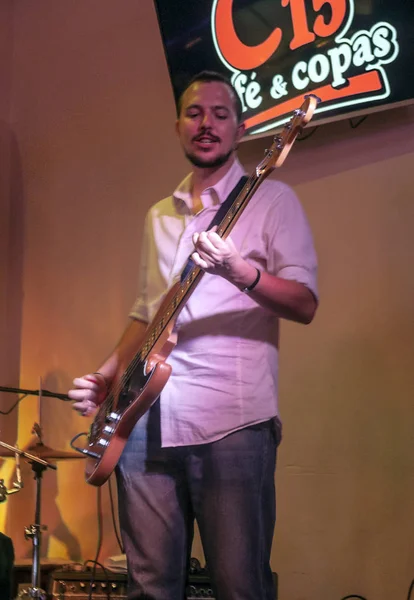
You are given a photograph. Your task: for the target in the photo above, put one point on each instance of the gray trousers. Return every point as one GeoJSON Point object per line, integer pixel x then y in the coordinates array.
{"type": "Point", "coordinates": [227, 486]}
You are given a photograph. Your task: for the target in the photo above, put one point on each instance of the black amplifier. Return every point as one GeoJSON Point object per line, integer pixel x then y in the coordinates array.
{"type": "Point", "coordinates": [77, 585]}
{"type": "Point", "coordinates": [82, 585]}
{"type": "Point", "coordinates": [199, 586]}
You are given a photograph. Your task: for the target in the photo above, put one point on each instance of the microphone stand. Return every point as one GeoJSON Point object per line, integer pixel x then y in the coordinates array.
{"type": "Point", "coordinates": [38, 393]}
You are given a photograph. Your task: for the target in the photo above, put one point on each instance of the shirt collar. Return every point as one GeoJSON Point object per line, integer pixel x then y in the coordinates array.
{"type": "Point", "coordinates": [219, 191]}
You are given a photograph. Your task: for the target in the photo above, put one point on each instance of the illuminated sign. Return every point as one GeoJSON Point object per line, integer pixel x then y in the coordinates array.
{"type": "Point", "coordinates": [353, 55]}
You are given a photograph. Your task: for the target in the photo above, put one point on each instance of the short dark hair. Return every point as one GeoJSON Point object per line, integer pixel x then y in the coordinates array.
{"type": "Point", "coordinates": [208, 77]}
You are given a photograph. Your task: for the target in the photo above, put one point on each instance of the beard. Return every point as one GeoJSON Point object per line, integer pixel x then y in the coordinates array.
{"type": "Point", "coordinates": [206, 163]}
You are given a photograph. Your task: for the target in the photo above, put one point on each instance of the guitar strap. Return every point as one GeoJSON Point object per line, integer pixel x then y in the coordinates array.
{"type": "Point", "coordinates": [218, 217]}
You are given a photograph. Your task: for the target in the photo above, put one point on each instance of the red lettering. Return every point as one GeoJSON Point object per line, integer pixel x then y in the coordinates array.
{"type": "Point", "coordinates": [338, 10]}
{"type": "Point", "coordinates": [301, 33]}
{"type": "Point", "coordinates": [246, 58]}
{"type": "Point", "coordinates": [234, 51]}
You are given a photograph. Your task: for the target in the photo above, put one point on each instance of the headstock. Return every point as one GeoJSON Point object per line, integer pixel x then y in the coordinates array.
{"type": "Point", "coordinates": [283, 142]}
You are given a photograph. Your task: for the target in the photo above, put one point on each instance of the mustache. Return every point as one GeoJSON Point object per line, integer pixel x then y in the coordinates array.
{"type": "Point", "coordinates": [206, 134]}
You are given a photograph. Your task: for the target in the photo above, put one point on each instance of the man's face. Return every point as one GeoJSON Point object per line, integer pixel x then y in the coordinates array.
{"type": "Point", "coordinates": [207, 125]}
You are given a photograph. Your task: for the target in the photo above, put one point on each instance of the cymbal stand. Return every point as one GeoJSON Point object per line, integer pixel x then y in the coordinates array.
{"type": "Point", "coordinates": [34, 531]}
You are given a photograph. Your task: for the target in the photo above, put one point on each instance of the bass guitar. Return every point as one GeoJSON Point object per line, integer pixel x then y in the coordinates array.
{"type": "Point", "coordinates": [138, 384]}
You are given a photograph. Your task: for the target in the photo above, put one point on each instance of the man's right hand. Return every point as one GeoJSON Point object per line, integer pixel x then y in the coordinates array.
{"type": "Point", "coordinates": [88, 392]}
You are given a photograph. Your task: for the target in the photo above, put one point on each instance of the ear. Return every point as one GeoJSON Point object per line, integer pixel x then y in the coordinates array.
{"type": "Point", "coordinates": [241, 130]}
{"type": "Point", "coordinates": [177, 127]}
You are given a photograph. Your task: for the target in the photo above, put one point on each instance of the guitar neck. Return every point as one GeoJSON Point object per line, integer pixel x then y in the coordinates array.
{"type": "Point", "coordinates": [240, 203]}
{"type": "Point", "coordinates": [186, 287]}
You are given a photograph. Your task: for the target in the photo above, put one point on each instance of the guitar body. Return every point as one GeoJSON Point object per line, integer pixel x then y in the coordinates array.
{"type": "Point", "coordinates": [109, 432]}
{"type": "Point", "coordinates": [135, 395]}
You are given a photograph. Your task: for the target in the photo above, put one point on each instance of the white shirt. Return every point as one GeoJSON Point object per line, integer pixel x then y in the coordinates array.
{"type": "Point", "coordinates": [225, 364]}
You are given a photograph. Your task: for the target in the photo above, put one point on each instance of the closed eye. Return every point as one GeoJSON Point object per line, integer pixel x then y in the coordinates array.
{"type": "Point", "coordinates": [221, 112]}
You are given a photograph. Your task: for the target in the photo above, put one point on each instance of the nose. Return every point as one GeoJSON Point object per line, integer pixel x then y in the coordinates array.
{"type": "Point", "coordinates": [206, 120]}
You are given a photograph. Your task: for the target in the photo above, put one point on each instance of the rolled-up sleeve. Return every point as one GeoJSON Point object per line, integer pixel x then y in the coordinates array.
{"type": "Point", "coordinates": [139, 309]}
{"type": "Point", "coordinates": [291, 251]}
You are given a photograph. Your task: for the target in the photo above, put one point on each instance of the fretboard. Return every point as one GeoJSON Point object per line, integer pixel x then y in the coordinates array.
{"type": "Point", "coordinates": [194, 275]}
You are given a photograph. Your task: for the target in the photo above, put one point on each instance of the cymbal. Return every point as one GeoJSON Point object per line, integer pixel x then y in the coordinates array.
{"type": "Point", "coordinates": [42, 451]}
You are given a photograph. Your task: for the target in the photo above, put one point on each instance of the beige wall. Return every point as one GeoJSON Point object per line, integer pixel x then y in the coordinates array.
{"type": "Point", "coordinates": [11, 236]}
{"type": "Point", "coordinates": [92, 118]}
{"type": "Point", "coordinates": [5, 86]}
{"type": "Point", "coordinates": [345, 475]}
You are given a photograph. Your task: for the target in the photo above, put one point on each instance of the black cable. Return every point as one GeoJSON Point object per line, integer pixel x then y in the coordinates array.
{"type": "Point", "coordinates": [100, 539]}
{"type": "Point", "coordinates": [100, 523]}
{"type": "Point", "coordinates": [92, 579]}
{"type": "Point", "coordinates": [111, 499]}
{"type": "Point", "coordinates": [410, 591]}
{"type": "Point", "coordinates": [7, 412]}
{"type": "Point", "coordinates": [302, 138]}
{"type": "Point", "coordinates": [358, 122]}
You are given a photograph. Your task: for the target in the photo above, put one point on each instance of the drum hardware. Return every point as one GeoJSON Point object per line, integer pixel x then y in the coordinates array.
{"type": "Point", "coordinates": [17, 485]}
{"type": "Point", "coordinates": [38, 455]}
{"type": "Point", "coordinates": [37, 459]}
{"type": "Point", "coordinates": [34, 531]}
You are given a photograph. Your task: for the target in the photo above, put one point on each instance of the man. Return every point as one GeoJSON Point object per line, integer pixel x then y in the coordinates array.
{"type": "Point", "coordinates": [207, 448]}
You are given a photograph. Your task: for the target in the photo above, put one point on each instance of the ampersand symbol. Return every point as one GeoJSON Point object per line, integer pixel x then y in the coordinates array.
{"type": "Point", "coordinates": [278, 87]}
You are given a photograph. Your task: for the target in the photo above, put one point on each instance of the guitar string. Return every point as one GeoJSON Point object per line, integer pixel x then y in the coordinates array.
{"type": "Point", "coordinates": [159, 326]}
{"type": "Point", "coordinates": [154, 335]}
